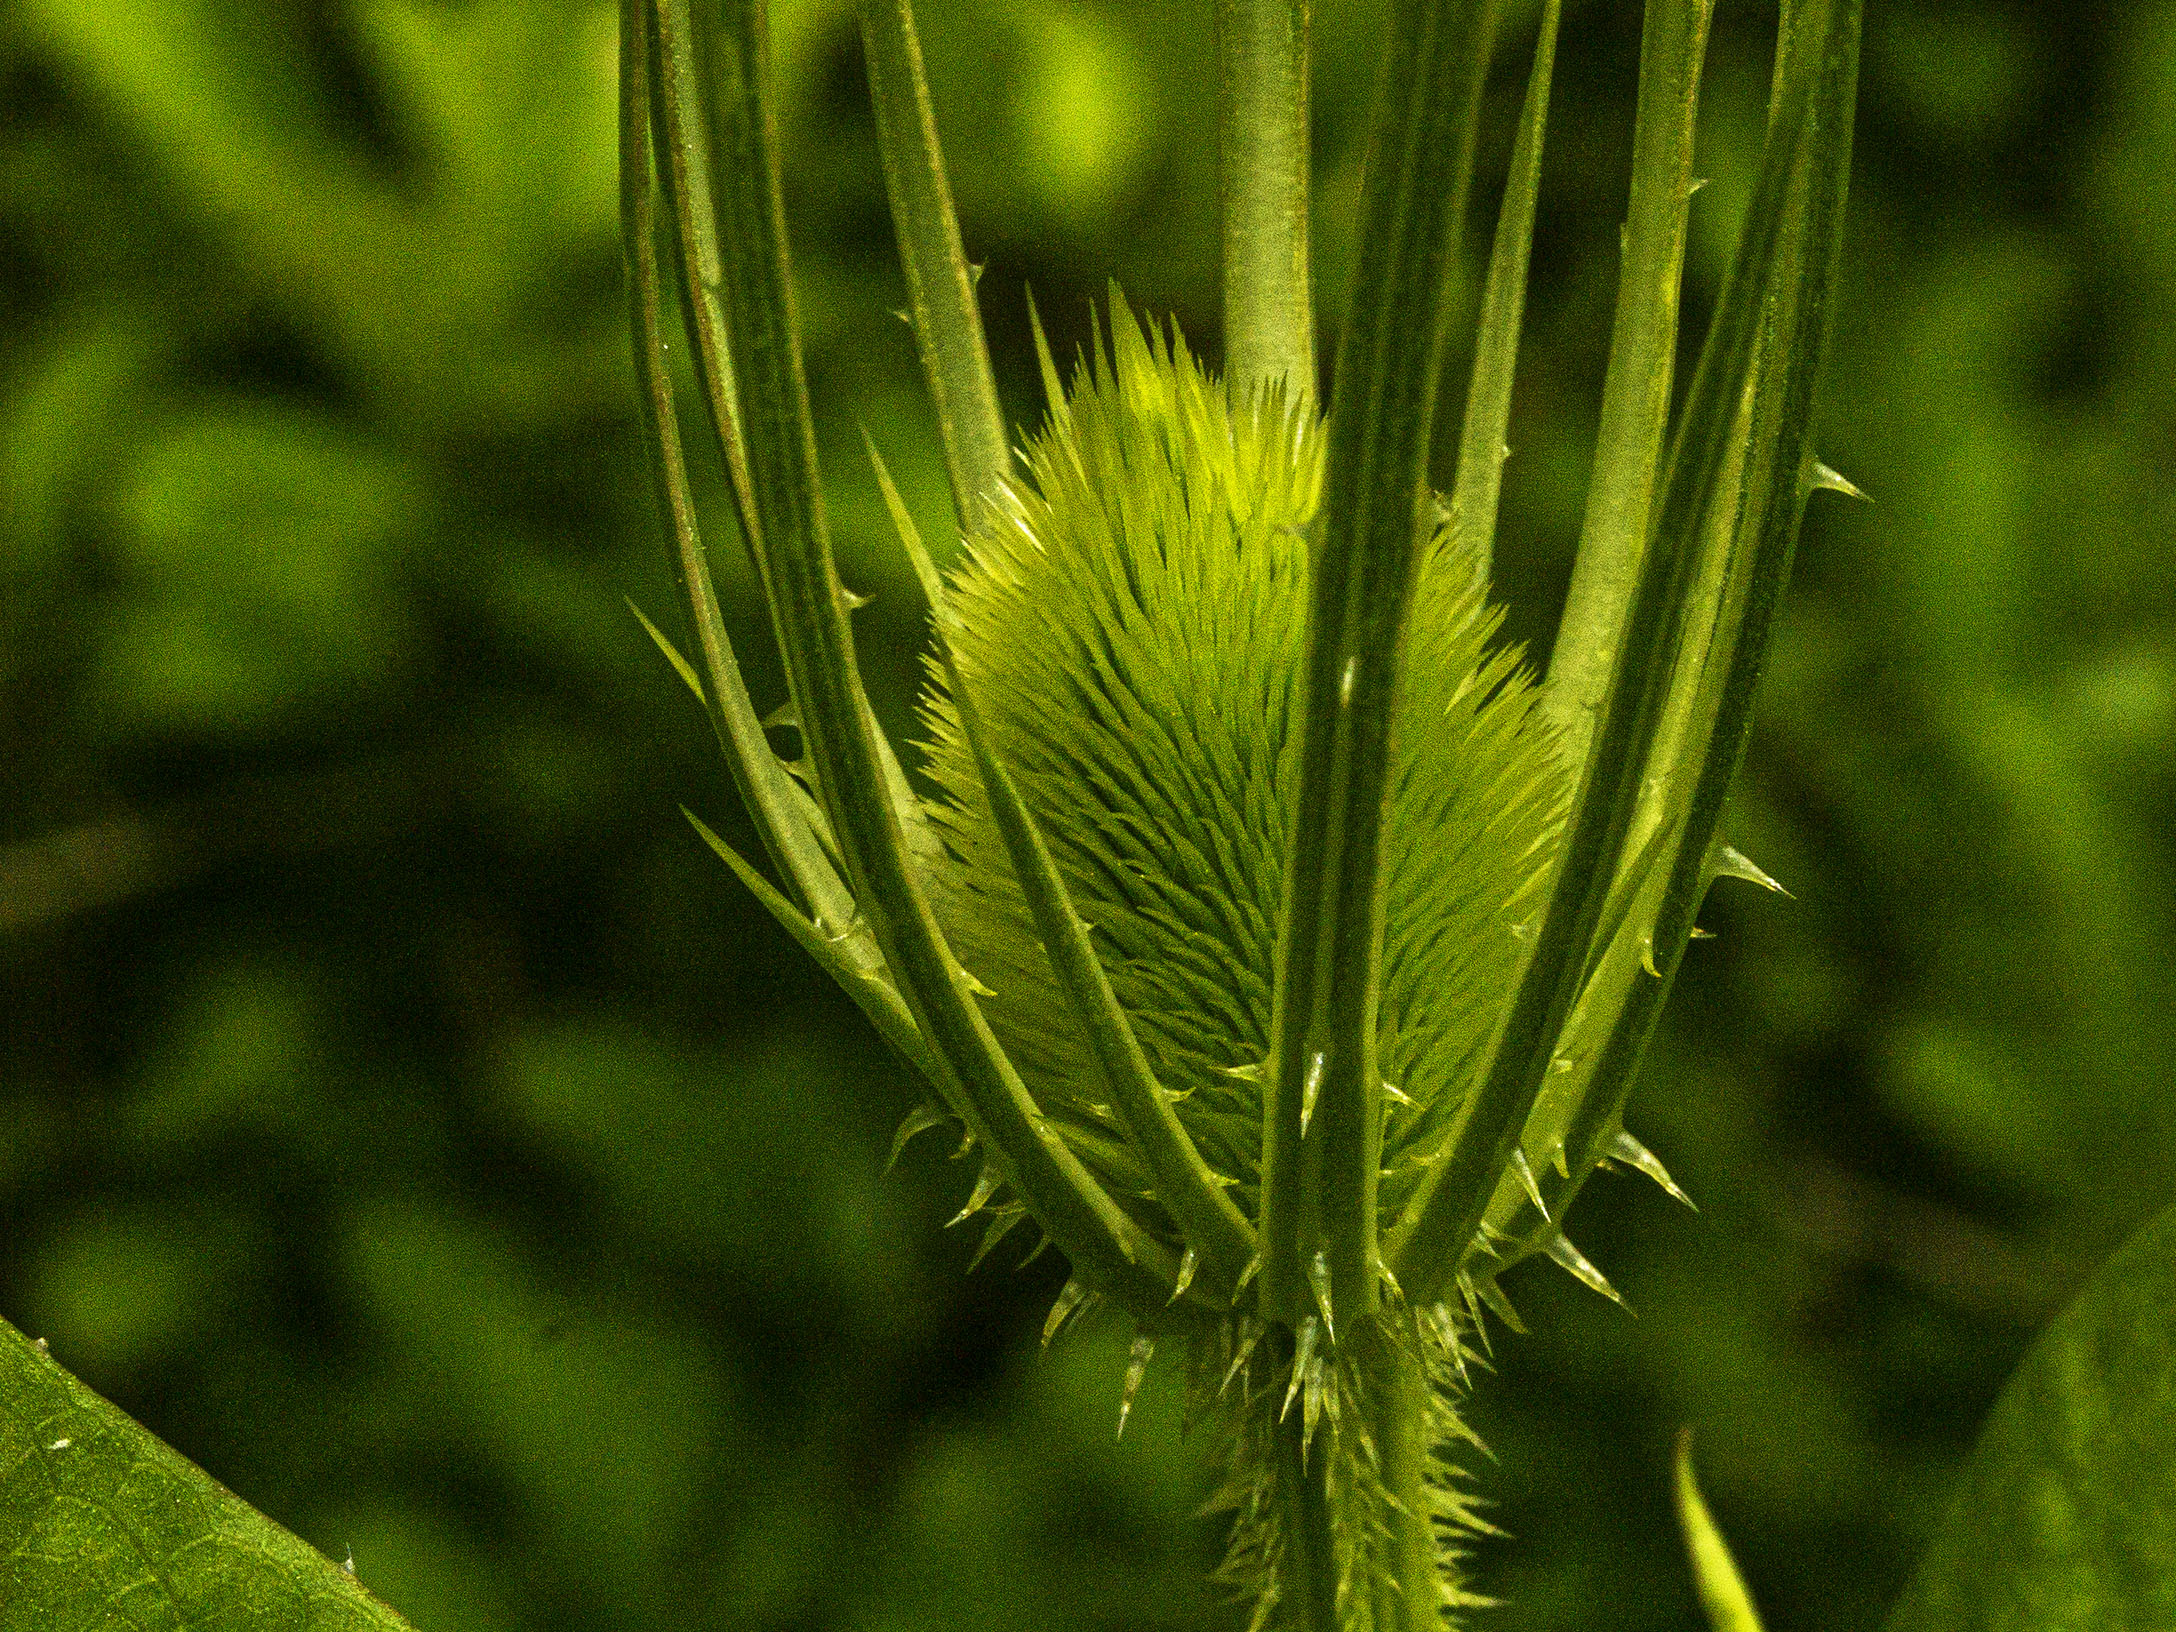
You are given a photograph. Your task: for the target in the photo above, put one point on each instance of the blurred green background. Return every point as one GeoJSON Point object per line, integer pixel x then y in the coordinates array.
{"type": "Point", "coordinates": [402, 1114]}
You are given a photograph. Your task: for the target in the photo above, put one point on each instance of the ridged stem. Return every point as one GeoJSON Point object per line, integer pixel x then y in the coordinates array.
{"type": "Point", "coordinates": [1758, 555]}
{"type": "Point", "coordinates": [1763, 349]}
{"type": "Point", "coordinates": [1481, 445]}
{"type": "Point", "coordinates": [1263, 134]}
{"type": "Point", "coordinates": [1642, 360]}
{"type": "Point", "coordinates": [1309, 1578]}
{"type": "Point", "coordinates": [1324, 1099]}
{"type": "Point", "coordinates": [1395, 1387]}
{"type": "Point", "coordinates": [940, 283]}
{"type": "Point", "coordinates": [785, 831]}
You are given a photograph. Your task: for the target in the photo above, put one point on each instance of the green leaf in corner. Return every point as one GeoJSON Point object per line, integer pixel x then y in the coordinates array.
{"type": "Point", "coordinates": [2067, 1514]}
{"type": "Point", "coordinates": [101, 1525]}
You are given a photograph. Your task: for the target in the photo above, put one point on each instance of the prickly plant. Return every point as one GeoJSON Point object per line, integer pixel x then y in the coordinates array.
{"type": "Point", "coordinates": [1283, 948]}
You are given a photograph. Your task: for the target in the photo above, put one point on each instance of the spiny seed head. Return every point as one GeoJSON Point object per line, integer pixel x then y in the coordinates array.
{"type": "Point", "coordinates": [1129, 619]}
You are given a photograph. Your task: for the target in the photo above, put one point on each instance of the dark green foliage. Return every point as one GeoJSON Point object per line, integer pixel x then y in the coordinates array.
{"type": "Point", "coordinates": [2067, 1513]}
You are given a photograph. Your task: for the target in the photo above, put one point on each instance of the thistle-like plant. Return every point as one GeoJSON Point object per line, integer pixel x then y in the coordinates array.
{"type": "Point", "coordinates": [1283, 949]}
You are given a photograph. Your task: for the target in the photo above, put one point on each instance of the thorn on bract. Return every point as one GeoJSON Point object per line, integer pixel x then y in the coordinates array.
{"type": "Point", "coordinates": [1472, 1295]}
{"type": "Point", "coordinates": [1628, 1150]}
{"type": "Point", "coordinates": [1001, 1224]}
{"type": "Point", "coordinates": [1137, 1361]}
{"type": "Point", "coordinates": [1071, 1300]}
{"type": "Point", "coordinates": [1318, 1281]}
{"type": "Point", "coordinates": [1525, 1170]}
{"type": "Point", "coordinates": [1189, 1261]}
{"type": "Point", "coordinates": [1836, 482]}
{"type": "Point", "coordinates": [1500, 1306]}
{"type": "Point", "coordinates": [1312, 1400]}
{"type": "Point", "coordinates": [1303, 1354]}
{"type": "Point", "coordinates": [985, 1187]}
{"type": "Point", "coordinates": [1735, 864]}
{"type": "Point", "coordinates": [1250, 1333]}
{"type": "Point", "coordinates": [1572, 1260]}
{"type": "Point", "coordinates": [919, 1120]}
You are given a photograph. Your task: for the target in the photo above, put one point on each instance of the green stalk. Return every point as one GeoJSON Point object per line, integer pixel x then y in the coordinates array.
{"type": "Point", "coordinates": [940, 283]}
{"type": "Point", "coordinates": [684, 151]}
{"type": "Point", "coordinates": [1765, 540]}
{"type": "Point", "coordinates": [1393, 1378]}
{"type": "Point", "coordinates": [764, 787]}
{"type": "Point", "coordinates": [1324, 1100]}
{"type": "Point", "coordinates": [1311, 1566]}
{"type": "Point", "coordinates": [1763, 347]}
{"type": "Point", "coordinates": [728, 49]}
{"type": "Point", "coordinates": [1642, 359]}
{"type": "Point", "coordinates": [1263, 130]}
{"type": "Point", "coordinates": [1481, 446]}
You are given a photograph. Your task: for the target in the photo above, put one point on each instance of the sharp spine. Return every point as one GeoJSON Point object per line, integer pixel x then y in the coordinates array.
{"type": "Point", "coordinates": [1826, 476]}
{"type": "Point", "coordinates": [1303, 1353]}
{"type": "Point", "coordinates": [1137, 1361]}
{"type": "Point", "coordinates": [1500, 1306]}
{"type": "Point", "coordinates": [1734, 863]}
{"type": "Point", "coordinates": [1250, 1333]}
{"type": "Point", "coordinates": [919, 1120]}
{"type": "Point", "coordinates": [1573, 1261]}
{"type": "Point", "coordinates": [1318, 1282]}
{"type": "Point", "coordinates": [1628, 1150]}
{"type": "Point", "coordinates": [985, 1187]}
{"type": "Point", "coordinates": [1189, 1261]}
{"type": "Point", "coordinates": [1001, 1223]}
{"type": "Point", "coordinates": [1074, 1298]}
{"type": "Point", "coordinates": [1525, 1170]}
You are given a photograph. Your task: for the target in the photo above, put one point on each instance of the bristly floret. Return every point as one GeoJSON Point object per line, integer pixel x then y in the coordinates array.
{"type": "Point", "coordinates": [1130, 621]}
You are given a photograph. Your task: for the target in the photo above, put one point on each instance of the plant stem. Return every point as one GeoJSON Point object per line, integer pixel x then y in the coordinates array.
{"type": "Point", "coordinates": [1322, 1134]}
{"type": "Point", "coordinates": [1311, 1562]}
{"type": "Point", "coordinates": [1642, 358]}
{"type": "Point", "coordinates": [1269, 312]}
{"type": "Point", "coordinates": [1763, 347]}
{"type": "Point", "coordinates": [940, 283]}
{"type": "Point", "coordinates": [1481, 445]}
{"type": "Point", "coordinates": [1396, 1389]}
